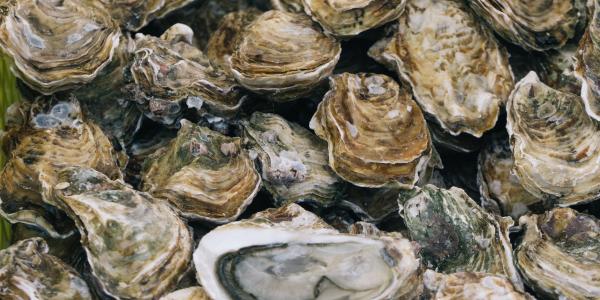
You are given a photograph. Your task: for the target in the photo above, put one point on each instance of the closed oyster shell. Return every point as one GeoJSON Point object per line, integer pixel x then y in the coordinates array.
{"type": "Point", "coordinates": [295, 6]}
{"type": "Point", "coordinates": [57, 45]}
{"type": "Point", "coordinates": [588, 65]}
{"type": "Point", "coordinates": [27, 271]}
{"type": "Point", "coordinates": [204, 174]}
{"type": "Point", "coordinates": [191, 293]}
{"type": "Point", "coordinates": [136, 245]}
{"type": "Point", "coordinates": [290, 253]}
{"type": "Point", "coordinates": [347, 18]}
{"type": "Point", "coordinates": [293, 160]}
{"type": "Point", "coordinates": [458, 71]}
{"type": "Point", "coordinates": [283, 56]}
{"type": "Point", "coordinates": [457, 235]}
{"type": "Point", "coordinates": [554, 143]}
{"type": "Point", "coordinates": [469, 285]}
{"type": "Point", "coordinates": [559, 256]}
{"type": "Point", "coordinates": [376, 133]}
{"type": "Point", "coordinates": [533, 24]}
{"type": "Point", "coordinates": [134, 14]}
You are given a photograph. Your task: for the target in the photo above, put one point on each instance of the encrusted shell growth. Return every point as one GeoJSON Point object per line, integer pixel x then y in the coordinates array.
{"type": "Point", "coordinates": [134, 14]}
{"type": "Point", "coordinates": [293, 160]}
{"type": "Point", "coordinates": [283, 56]}
{"type": "Point", "coordinates": [347, 18]}
{"type": "Point", "coordinates": [57, 45]}
{"type": "Point", "coordinates": [588, 65]}
{"type": "Point", "coordinates": [204, 174]}
{"type": "Point", "coordinates": [376, 133]}
{"type": "Point", "coordinates": [559, 256]}
{"type": "Point", "coordinates": [469, 285]}
{"type": "Point", "coordinates": [291, 253]}
{"type": "Point", "coordinates": [456, 234]}
{"type": "Point", "coordinates": [27, 271]}
{"type": "Point", "coordinates": [136, 245]}
{"type": "Point", "coordinates": [533, 24]}
{"type": "Point", "coordinates": [459, 73]}
{"type": "Point", "coordinates": [555, 144]}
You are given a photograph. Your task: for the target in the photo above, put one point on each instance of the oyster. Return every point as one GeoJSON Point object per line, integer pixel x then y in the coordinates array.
{"type": "Point", "coordinates": [134, 14]}
{"type": "Point", "coordinates": [376, 133]}
{"type": "Point", "coordinates": [290, 253]}
{"type": "Point", "coordinates": [473, 286]}
{"type": "Point", "coordinates": [457, 235]}
{"type": "Point", "coordinates": [202, 173]}
{"type": "Point", "coordinates": [295, 6]}
{"type": "Point", "coordinates": [27, 271]}
{"type": "Point", "coordinates": [588, 65]}
{"type": "Point", "coordinates": [283, 56]}
{"type": "Point", "coordinates": [293, 160]}
{"type": "Point", "coordinates": [534, 25]}
{"type": "Point", "coordinates": [554, 143]}
{"type": "Point", "coordinates": [559, 255]}
{"type": "Point", "coordinates": [191, 293]}
{"type": "Point", "coordinates": [459, 73]}
{"type": "Point", "coordinates": [370, 205]}
{"type": "Point", "coordinates": [347, 18]}
{"type": "Point", "coordinates": [119, 228]}
{"type": "Point", "coordinates": [57, 45]}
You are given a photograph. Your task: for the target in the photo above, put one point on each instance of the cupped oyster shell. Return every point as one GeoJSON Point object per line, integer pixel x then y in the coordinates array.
{"type": "Point", "coordinates": [459, 73]}
{"type": "Point", "coordinates": [588, 65]}
{"type": "Point", "coordinates": [203, 173]}
{"type": "Point", "coordinates": [134, 14]}
{"type": "Point", "coordinates": [295, 6]}
{"type": "Point", "coordinates": [290, 253]}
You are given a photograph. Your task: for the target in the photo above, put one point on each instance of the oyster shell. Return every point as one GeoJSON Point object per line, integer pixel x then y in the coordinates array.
{"type": "Point", "coordinates": [283, 56]}
{"type": "Point", "coordinates": [27, 271]}
{"type": "Point", "coordinates": [293, 160]}
{"type": "Point", "coordinates": [119, 228]}
{"type": "Point", "coordinates": [134, 14]}
{"type": "Point", "coordinates": [459, 73]}
{"type": "Point", "coordinates": [559, 256]}
{"type": "Point", "coordinates": [588, 65]}
{"type": "Point", "coordinates": [376, 133]}
{"type": "Point", "coordinates": [57, 45]}
{"type": "Point", "coordinates": [457, 235]}
{"type": "Point", "coordinates": [468, 285]}
{"type": "Point", "coordinates": [347, 18]}
{"type": "Point", "coordinates": [290, 253]}
{"type": "Point", "coordinates": [534, 25]}
{"type": "Point", "coordinates": [295, 6]}
{"type": "Point", "coordinates": [554, 143]}
{"type": "Point", "coordinates": [191, 293]}
{"type": "Point", "coordinates": [202, 173]}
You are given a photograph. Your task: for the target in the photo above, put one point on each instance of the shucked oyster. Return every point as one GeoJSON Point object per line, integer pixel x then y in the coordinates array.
{"type": "Point", "coordinates": [559, 256]}
{"type": "Point", "coordinates": [376, 133]}
{"type": "Point", "coordinates": [204, 174]}
{"type": "Point", "coordinates": [555, 143]}
{"type": "Point", "coordinates": [459, 74]}
{"type": "Point", "coordinates": [457, 235]}
{"type": "Point", "coordinates": [293, 160]}
{"type": "Point", "coordinates": [346, 18]}
{"type": "Point", "coordinates": [57, 45]}
{"type": "Point", "coordinates": [134, 14]}
{"type": "Point", "coordinates": [289, 253]}
{"type": "Point", "coordinates": [27, 271]}
{"type": "Point", "coordinates": [472, 286]}
{"type": "Point", "coordinates": [136, 245]}
{"type": "Point", "coordinates": [534, 25]}
{"type": "Point", "coordinates": [588, 65]}
{"type": "Point", "coordinates": [283, 56]}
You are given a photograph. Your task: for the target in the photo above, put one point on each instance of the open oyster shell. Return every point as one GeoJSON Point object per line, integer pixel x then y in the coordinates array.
{"type": "Point", "coordinates": [559, 256]}
{"type": "Point", "coordinates": [290, 253]}
{"type": "Point", "coordinates": [27, 271]}
{"type": "Point", "coordinates": [347, 18]}
{"type": "Point", "coordinates": [588, 65]}
{"type": "Point", "coordinates": [57, 45]}
{"type": "Point", "coordinates": [554, 143]}
{"type": "Point", "coordinates": [134, 14]}
{"type": "Point", "coordinates": [459, 75]}
{"type": "Point", "coordinates": [469, 285]}
{"type": "Point", "coordinates": [119, 228]}
{"type": "Point", "coordinates": [295, 6]}
{"type": "Point", "coordinates": [376, 133]}
{"type": "Point", "coordinates": [204, 174]}
{"type": "Point", "coordinates": [293, 160]}
{"type": "Point", "coordinates": [191, 293]}
{"type": "Point", "coordinates": [283, 56]}
{"type": "Point", "coordinates": [534, 25]}
{"type": "Point", "coordinates": [457, 235]}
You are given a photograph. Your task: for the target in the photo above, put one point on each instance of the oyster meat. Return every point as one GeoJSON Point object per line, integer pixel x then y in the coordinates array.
{"type": "Point", "coordinates": [469, 285]}
{"type": "Point", "coordinates": [588, 65]}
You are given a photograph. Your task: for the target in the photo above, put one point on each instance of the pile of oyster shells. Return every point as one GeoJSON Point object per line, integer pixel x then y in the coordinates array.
{"type": "Point", "coordinates": [302, 149]}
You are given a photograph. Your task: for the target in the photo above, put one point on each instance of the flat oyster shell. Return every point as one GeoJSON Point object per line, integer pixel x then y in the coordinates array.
{"type": "Point", "coordinates": [27, 271]}
{"type": "Point", "coordinates": [554, 143]}
{"type": "Point", "coordinates": [293, 161]}
{"type": "Point", "coordinates": [588, 65]}
{"type": "Point", "coordinates": [458, 71]}
{"type": "Point", "coordinates": [376, 133]}
{"type": "Point", "coordinates": [469, 285]}
{"type": "Point", "coordinates": [559, 255]}
{"type": "Point", "coordinates": [191, 293]}
{"type": "Point", "coordinates": [290, 253]}
{"type": "Point", "coordinates": [132, 15]}
{"type": "Point", "coordinates": [204, 174]}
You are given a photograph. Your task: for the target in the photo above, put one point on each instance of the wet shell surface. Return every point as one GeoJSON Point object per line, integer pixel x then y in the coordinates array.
{"type": "Point", "coordinates": [588, 65]}
{"type": "Point", "coordinates": [469, 285]}
{"type": "Point", "coordinates": [134, 14]}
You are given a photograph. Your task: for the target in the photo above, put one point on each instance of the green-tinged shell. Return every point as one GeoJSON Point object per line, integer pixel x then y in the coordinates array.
{"type": "Point", "coordinates": [293, 160]}
{"type": "Point", "coordinates": [457, 235]}
{"type": "Point", "coordinates": [203, 173]}
{"type": "Point", "coordinates": [559, 256]}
